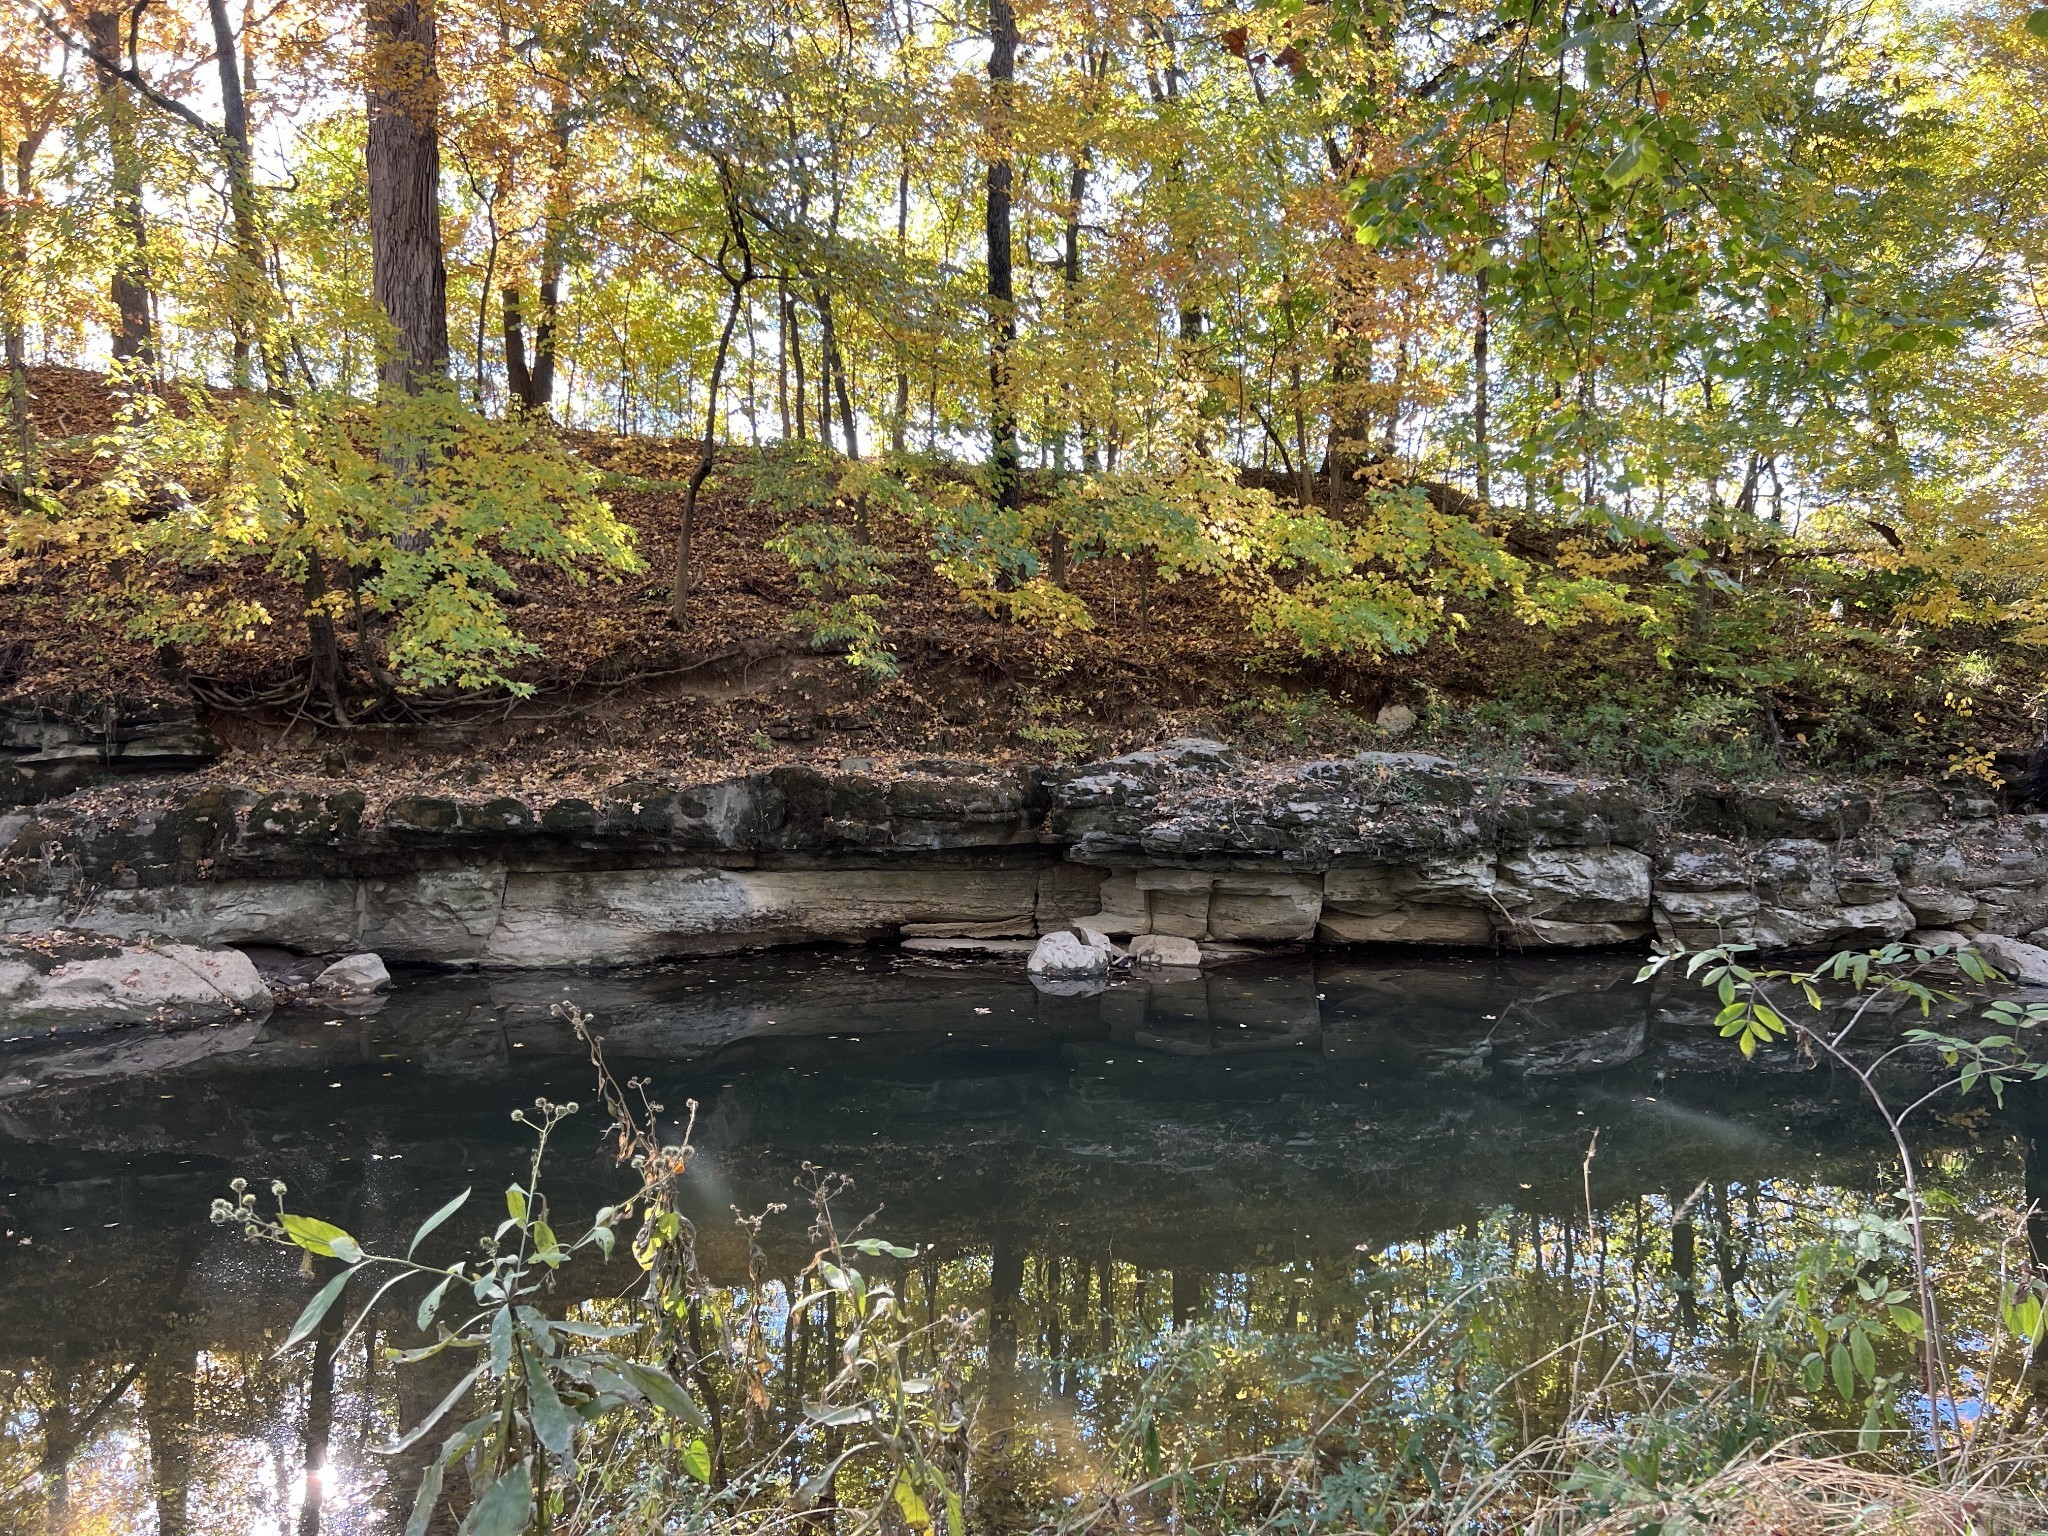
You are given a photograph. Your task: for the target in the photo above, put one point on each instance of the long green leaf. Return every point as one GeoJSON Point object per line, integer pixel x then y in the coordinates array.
{"type": "Point", "coordinates": [660, 1389]}
{"type": "Point", "coordinates": [434, 1221]}
{"type": "Point", "coordinates": [506, 1509]}
{"type": "Point", "coordinates": [429, 1495]}
{"type": "Point", "coordinates": [316, 1309]}
{"type": "Point", "coordinates": [501, 1341]}
{"type": "Point", "coordinates": [554, 1425]}
{"type": "Point", "coordinates": [431, 1302]}
{"type": "Point", "coordinates": [412, 1436]}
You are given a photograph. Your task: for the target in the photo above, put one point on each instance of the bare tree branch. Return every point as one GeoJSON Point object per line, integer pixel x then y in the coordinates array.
{"type": "Point", "coordinates": [128, 74]}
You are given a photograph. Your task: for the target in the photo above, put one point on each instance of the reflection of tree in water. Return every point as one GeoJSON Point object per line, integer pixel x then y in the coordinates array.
{"type": "Point", "coordinates": [208, 1434]}
{"type": "Point", "coordinates": [1173, 1260]}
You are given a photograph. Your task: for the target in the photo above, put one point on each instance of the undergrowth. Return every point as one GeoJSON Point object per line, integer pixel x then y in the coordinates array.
{"type": "Point", "coordinates": [1854, 1380]}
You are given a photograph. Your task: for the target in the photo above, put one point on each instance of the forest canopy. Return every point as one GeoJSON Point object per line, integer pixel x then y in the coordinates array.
{"type": "Point", "coordinates": [1708, 331]}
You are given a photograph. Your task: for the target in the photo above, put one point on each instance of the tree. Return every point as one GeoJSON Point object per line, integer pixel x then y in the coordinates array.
{"type": "Point", "coordinates": [1005, 479]}
{"type": "Point", "coordinates": [403, 93]}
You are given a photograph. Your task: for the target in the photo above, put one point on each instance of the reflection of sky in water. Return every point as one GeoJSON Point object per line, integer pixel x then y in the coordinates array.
{"type": "Point", "coordinates": [1318, 1154]}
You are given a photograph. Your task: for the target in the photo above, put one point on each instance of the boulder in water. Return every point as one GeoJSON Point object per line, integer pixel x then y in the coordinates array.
{"type": "Point", "coordinates": [1067, 956]}
{"type": "Point", "coordinates": [58, 981]}
{"type": "Point", "coordinates": [354, 976]}
{"type": "Point", "coordinates": [1165, 949]}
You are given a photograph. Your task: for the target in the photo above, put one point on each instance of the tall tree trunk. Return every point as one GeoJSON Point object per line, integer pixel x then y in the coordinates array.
{"type": "Point", "coordinates": [1481, 450]}
{"type": "Point", "coordinates": [169, 1393]}
{"type": "Point", "coordinates": [408, 277]}
{"type": "Point", "coordinates": [1005, 480]}
{"type": "Point", "coordinates": [836, 362]}
{"type": "Point", "coordinates": [130, 281]}
{"type": "Point", "coordinates": [1351, 423]}
{"type": "Point", "coordinates": [828, 355]}
{"type": "Point", "coordinates": [518, 377]}
{"type": "Point", "coordinates": [679, 596]}
{"type": "Point", "coordinates": [319, 1423]}
{"type": "Point", "coordinates": [1070, 275]}
{"type": "Point", "coordinates": [1165, 92]}
{"type": "Point", "coordinates": [248, 282]}
{"type": "Point", "coordinates": [899, 414]}
{"type": "Point", "coordinates": [782, 340]}
{"type": "Point", "coordinates": [60, 1446]}
{"type": "Point", "coordinates": [545, 332]}
{"type": "Point", "coordinates": [792, 331]}
{"type": "Point", "coordinates": [14, 277]}
{"type": "Point", "coordinates": [554, 243]}
{"type": "Point", "coordinates": [14, 319]}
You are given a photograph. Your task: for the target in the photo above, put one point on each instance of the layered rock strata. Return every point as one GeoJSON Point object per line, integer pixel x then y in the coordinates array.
{"type": "Point", "coordinates": [1185, 841]}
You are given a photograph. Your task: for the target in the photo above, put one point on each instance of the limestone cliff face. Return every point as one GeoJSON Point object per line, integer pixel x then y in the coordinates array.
{"type": "Point", "coordinates": [1187, 839]}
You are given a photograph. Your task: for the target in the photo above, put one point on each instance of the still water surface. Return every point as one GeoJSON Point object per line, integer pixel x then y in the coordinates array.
{"type": "Point", "coordinates": [1276, 1158]}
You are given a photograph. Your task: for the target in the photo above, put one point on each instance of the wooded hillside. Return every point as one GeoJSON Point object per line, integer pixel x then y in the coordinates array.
{"type": "Point", "coordinates": [1656, 381]}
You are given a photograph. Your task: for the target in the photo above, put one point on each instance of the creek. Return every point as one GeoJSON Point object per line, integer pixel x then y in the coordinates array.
{"type": "Point", "coordinates": [1261, 1164]}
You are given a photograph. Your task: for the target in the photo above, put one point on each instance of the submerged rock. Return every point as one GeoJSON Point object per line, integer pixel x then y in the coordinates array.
{"type": "Point", "coordinates": [67, 981]}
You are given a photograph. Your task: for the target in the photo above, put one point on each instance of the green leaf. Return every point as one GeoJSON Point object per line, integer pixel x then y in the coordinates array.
{"type": "Point", "coordinates": [553, 1425]}
{"type": "Point", "coordinates": [317, 1308]}
{"type": "Point", "coordinates": [915, 1515]}
{"type": "Point", "coordinates": [875, 1245]}
{"type": "Point", "coordinates": [1636, 160]}
{"type": "Point", "coordinates": [501, 1342]}
{"type": "Point", "coordinates": [455, 1395]}
{"type": "Point", "coordinates": [2037, 23]}
{"type": "Point", "coordinates": [515, 1202]}
{"type": "Point", "coordinates": [844, 1413]}
{"type": "Point", "coordinates": [457, 1445]}
{"type": "Point", "coordinates": [577, 1330]}
{"type": "Point", "coordinates": [1843, 1369]}
{"type": "Point", "coordinates": [2024, 1319]}
{"type": "Point", "coordinates": [546, 1248]}
{"type": "Point", "coordinates": [428, 1496]}
{"type": "Point", "coordinates": [434, 1221]}
{"type": "Point", "coordinates": [660, 1389]}
{"type": "Point", "coordinates": [322, 1237]}
{"type": "Point", "coordinates": [431, 1302]}
{"type": "Point", "coordinates": [956, 1515]}
{"type": "Point", "coordinates": [697, 1460]}
{"type": "Point", "coordinates": [506, 1509]}
{"type": "Point", "coordinates": [1862, 1355]}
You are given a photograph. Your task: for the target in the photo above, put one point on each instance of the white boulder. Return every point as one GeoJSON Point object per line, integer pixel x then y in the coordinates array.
{"type": "Point", "coordinates": [1068, 956]}
{"type": "Point", "coordinates": [68, 981]}
{"type": "Point", "coordinates": [354, 976]}
{"type": "Point", "coordinates": [1165, 949]}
